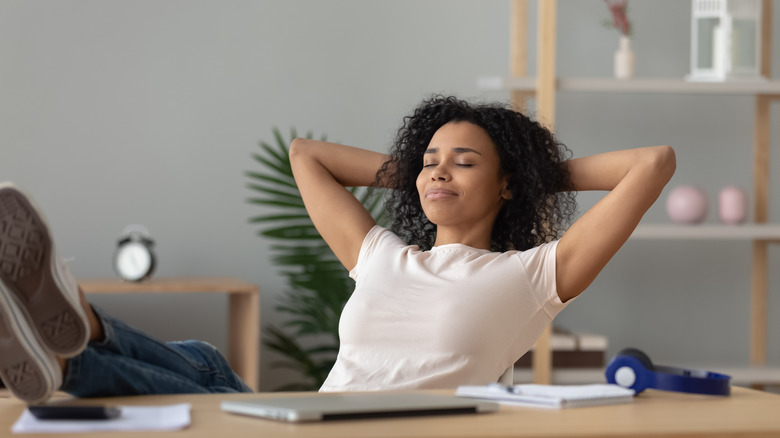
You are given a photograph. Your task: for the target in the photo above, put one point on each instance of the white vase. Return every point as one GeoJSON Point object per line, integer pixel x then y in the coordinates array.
{"type": "Point", "coordinates": [624, 59]}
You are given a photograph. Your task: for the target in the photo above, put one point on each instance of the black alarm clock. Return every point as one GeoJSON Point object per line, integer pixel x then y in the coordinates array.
{"type": "Point", "coordinates": [134, 258]}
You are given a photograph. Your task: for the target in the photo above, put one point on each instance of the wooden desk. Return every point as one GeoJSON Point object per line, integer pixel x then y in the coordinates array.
{"type": "Point", "coordinates": [747, 413]}
{"type": "Point", "coordinates": [243, 312]}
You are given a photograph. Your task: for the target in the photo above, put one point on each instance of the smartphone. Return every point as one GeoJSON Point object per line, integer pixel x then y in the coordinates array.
{"type": "Point", "coordinates": [54, 412]}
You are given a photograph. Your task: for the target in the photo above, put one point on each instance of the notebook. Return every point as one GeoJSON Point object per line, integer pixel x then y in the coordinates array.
{"type": "Point", "coordinates": [318, 407]}
{"type": "Point", "coordinates": [550, 396]}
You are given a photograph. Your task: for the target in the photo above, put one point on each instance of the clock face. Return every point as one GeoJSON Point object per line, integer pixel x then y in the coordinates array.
{"type": "Point", "coordinates": [133, 261]}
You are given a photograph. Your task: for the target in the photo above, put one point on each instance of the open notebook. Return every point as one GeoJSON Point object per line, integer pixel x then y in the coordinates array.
{"type": "Point", "coordinates": [550, 396]}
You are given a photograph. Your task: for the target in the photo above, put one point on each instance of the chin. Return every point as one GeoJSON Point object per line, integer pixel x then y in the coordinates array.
{"type": "Point", "coordinates": [436, 216]}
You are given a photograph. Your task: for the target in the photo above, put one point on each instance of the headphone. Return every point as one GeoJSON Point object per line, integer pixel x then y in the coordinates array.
{"type": "Point", "coordinates": [633, 369]}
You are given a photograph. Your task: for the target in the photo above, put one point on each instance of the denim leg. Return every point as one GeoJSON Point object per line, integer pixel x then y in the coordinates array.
{"type": "Point", "coordinates": [131, 362]}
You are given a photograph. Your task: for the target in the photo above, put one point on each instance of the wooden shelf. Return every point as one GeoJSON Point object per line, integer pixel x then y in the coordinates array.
{"type": "Point", "coordinates": [746, 375]}
{"type": "Point", "coordinates": [740, 375]}
{"type": "Point", "coordinates": [762, 232]}
{"type": "Point", "coordinates": [608, 85]}
{"type": "Point", "coordinates": [168, 285]}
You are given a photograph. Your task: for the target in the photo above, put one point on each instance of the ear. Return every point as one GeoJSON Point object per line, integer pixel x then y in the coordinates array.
{"type": "Point", "coordinates": [506, 193]}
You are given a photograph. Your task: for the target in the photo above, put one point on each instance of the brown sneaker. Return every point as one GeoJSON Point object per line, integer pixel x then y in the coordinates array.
{"type": "Point", "coordinates": [34, 278]}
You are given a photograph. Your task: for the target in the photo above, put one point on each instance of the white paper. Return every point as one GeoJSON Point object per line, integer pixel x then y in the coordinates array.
{"type": "Point", "coordinates": [573, 392]}
{"type": "Point", "coordinates": [133, 418]}
{"type": "Point", "coordinates": [549, 396]}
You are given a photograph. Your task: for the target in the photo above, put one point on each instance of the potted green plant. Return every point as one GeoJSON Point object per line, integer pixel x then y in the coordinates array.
{"type": "Point", "coordinates": [318, 285]}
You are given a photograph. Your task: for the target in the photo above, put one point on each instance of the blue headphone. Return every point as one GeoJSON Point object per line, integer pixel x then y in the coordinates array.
{"type": "Point", "coordinates": [632, 369]}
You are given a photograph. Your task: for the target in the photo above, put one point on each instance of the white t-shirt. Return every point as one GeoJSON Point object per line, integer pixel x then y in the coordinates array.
{"type": "Point", "coordinates": [454, 315]}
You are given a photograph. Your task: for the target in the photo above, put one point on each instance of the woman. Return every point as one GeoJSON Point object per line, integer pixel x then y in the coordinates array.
{"type": "Point", "coordinates": [476, 190]}
{"type": "Point", "coordinates": [481, 191]}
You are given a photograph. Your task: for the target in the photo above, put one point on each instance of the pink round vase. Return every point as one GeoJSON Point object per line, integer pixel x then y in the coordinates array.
{"type": "Point", "coordinates": [732, 205]}
{"type": "Point", "coordinates": [687, 205]}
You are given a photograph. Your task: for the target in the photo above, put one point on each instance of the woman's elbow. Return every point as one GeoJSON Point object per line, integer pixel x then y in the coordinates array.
{"type": "Point", "coordinates": [299, 147]}
{"type": "Point", "coordinates": [664, 161]}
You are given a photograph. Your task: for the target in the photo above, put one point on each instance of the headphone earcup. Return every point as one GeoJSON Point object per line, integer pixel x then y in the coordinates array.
{"type": "Point", "coordinates": [632, 369]}
{"type": "Point", "coordinates": [638, 355]}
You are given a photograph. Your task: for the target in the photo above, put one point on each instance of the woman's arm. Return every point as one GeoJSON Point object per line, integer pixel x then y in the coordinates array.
{"type": "Point", "coordinates": [635, 179]}
{"type": "Point", "coordinates": [322, 170]}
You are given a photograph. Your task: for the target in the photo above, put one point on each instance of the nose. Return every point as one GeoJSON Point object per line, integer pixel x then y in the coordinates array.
{"type": "Point", "coordinates": [440, 173]}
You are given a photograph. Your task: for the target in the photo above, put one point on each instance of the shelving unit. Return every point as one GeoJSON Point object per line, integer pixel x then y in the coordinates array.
{"type": "Point", "coordinates": [764, 232]}
{"type": "Point", "coordinates": [602, 85]}
{"type": "Point", "coordinates": [740, 376]}
{"type": "Point", "coordinates": [544, 87]}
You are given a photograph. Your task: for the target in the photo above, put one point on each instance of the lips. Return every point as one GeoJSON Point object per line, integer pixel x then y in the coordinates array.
{"type": "Point", "coordinates": [439, 193]}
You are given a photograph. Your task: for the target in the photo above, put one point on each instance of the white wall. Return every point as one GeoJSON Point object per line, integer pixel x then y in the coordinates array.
{"type": "Point", "coordinates": [115, 112]}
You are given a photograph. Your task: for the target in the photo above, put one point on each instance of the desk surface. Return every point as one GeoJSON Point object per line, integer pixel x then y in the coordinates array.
{"type": "Point", "coordinates": [746, 413]}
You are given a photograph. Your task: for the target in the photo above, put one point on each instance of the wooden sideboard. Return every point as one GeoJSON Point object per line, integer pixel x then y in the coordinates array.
{"type": "Point", "coordinates": [243, 312]}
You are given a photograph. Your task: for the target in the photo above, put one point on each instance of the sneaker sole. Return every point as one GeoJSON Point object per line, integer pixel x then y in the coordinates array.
{"type": "Point", "coordinates": [31, 373]}
{"type": "Point", "coordinates": [28, 274]}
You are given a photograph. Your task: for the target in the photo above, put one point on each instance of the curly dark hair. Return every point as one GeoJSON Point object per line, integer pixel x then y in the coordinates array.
{"type": "Point", "coordinates": [542, 203]}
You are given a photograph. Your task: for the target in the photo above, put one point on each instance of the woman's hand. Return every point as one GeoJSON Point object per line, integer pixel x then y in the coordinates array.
{"type": "Point", "coordinates": [635, 179]}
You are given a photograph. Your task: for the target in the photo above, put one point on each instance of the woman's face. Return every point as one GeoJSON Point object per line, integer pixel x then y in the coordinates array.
{"type": "Point", "coordinates": [461, 183]}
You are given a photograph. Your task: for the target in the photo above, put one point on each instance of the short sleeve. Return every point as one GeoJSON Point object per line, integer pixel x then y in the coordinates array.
{"type": "Point", "coordinates": [376, 238]}
{"type": "Point", "coordinates": [540, 267]}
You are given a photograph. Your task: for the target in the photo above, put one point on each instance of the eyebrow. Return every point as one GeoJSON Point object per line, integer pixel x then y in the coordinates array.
{"type": "Point", "coordinates": [456, 150]}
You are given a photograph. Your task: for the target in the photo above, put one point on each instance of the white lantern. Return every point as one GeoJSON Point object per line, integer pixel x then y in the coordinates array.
{"type": "Point", "coordinates": [725, 40]}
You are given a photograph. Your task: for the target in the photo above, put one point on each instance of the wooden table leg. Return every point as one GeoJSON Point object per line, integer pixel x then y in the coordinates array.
{"type": "Point", "coordinates": [244, 335]}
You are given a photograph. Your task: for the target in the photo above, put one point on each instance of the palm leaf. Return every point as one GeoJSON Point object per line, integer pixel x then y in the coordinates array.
{"type": "Point", "coordinates": [287, 182]}
{"type": "Point", "coordinates": [293, 232]}
{"type": "Point", "coordinates": [279, 217]}
{"type": "Point", "coordinates": [275, 192]}
{"type": "Point", "coordinates": [277, 203]}
{"type": "Point", "coordinates": [278, 153]}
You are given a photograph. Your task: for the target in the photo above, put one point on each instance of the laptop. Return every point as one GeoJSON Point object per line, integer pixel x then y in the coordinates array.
{"type": "Point", "coordinates": [322, 407]}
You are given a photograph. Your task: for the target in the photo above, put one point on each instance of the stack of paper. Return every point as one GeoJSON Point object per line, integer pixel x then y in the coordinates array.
{"type": "Point", "coordinates": [133, 418]}
{"type": "Point", "coordinates": [550, 396]}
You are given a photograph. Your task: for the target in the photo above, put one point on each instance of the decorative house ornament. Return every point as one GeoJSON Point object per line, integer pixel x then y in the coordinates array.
{"type": "Point", "coordinates": [732, 205]}
{"type": "Point", "coordinates": [687, 205]}
{"type": "Point", "coordinates": [624, 59]}
{"type": "Point", "coordinates": [725, 40]}
{"type": "Point", "coordinates": [624, 56]}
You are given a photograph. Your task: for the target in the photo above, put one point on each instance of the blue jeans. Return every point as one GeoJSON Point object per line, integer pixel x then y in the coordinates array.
{"type": "Point", "coordinates": [131, 362]}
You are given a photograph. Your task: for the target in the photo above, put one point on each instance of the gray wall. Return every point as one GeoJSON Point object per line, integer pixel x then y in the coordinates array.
{"type": "Point", "coordinates": [115, 112]}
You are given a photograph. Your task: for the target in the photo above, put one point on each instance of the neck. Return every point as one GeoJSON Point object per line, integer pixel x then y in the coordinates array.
{"type": "Point", "coordinates": [475, 238]}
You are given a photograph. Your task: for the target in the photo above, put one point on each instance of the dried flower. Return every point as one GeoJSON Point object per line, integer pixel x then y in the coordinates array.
{"type": "Point", "coordinates": [619, 9]}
